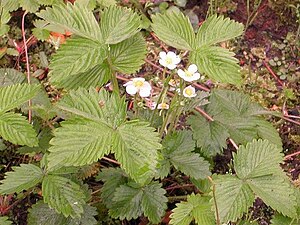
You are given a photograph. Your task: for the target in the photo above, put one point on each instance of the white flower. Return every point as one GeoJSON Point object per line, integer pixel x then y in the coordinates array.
{"type": "Point", "coordinates": [169, 60]}
{"type": "Point", "coordinates": [138, 85]}
{"type": "Point", "coordinates": [189, 92]}
{"type": "Point", "coordinates": [163, 106]}
{"type": "Point", "coordinates": [189, 74]}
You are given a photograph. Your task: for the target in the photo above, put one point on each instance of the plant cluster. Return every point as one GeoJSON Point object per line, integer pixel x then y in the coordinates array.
{"type": "Point", "coordinates": [138, 130]}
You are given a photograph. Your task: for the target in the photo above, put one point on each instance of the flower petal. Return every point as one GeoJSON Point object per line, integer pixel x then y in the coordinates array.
{"type": "Point", "coordinates": [131, 89]}
{"type": "Point", "coordinates": [138, 79]}
{"type": "Point", "coordinates": [172, 55]}
{"type": "Point", "coordinates": [196, 76]}
{"type": "Point", "coordinates": [171, 66]}
{"type": "Point", "coordinates": [163, 55]}
{"type": "Point", "coordinates": [128, 83]}
{"type": "Point", "coordinates": [163, 62]}
{"type": "Point", "coordinates": [192, 68]}
{"type": "Point", "coordinates": [145, 92]}
{"type": "Point", "coordinates": [176, 60]}
{"type": "Point", "coordinates": [181, 73]}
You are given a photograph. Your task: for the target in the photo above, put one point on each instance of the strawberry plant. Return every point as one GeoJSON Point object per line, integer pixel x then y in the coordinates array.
{"type": "Point", "coordinates": [135, 123]}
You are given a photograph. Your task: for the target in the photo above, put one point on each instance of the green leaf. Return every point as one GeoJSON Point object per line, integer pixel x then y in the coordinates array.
{"type": "Point", "coordinates": [126, 203]}
{"type": "Point", "coordinates": [196, 208]}
{"type": "Point", "coordinates": [235, 116]}
{"type": "Point", "coordinates": [106, 3]}
{"type": "Point", "coordinates": [258, 172]}
{"type": "Point", "coordinates": [13, 96]}
{"type": "Point", "coordinates": [73, 18]}
{"type": "Point", "coordinates": [154, 202]}
{"type": "Point", "coordinates": [178, 152]}
{"type": "Point", "coordinates": [134, 143]}
{"type": "Point", "coordinates": [30, 5]}
{"type": "Point", "coordinates": [280, 219]}
{"type": "Point", "coordinates": [77, 56]}
{"type": "Point", "coordinates": [174, 29]}
{"type": "Point", "coordinates": [10, 5]}
{"type": "Point", "coordinates": [41, 214]}
{"type": "Point", "coordinates": [73, 144]}
{"type": "Point", "coordinates": [130, 202]}
{"type": "Point", "coordinates": [128, 55]}
{"type": "Point", "coordinates": [217, 63]}
{"type": "Point", "coordinates": [97, 76]}
{"type": "Point", "coordinates": [217, 29]}
{"type": "Point", "coordinates": [210, 136]}
{"type": "Point", "coordinates": [4, 220]}
{"type": "Point", "coordinates": [233, 197]}
{"type": "Point", "coordinates": [63, 195]}
{"type": "Point", "coordinates": [267, 187]}
{"type": "Point", "coordinates": [257, 159]}
{"type": "Point", "coordinates": [16, 129]}
{"type": "Point", "coordinates": [9, 76]}
{"type": "Point", "coordinates": [136, 148]}
{"type": "Point", "coordinates": [113, 178]}
{"type": "Point", "coordinates": [118, 24]}
{"type": "Point", "coordinates": [22, 178]}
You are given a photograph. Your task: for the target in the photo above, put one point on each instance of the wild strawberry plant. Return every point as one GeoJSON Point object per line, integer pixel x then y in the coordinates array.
{"type": "Point", "coordinates": [144, 141]}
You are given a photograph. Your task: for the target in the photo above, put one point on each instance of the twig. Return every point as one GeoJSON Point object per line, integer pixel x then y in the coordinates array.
{"type": "Point", "coordinates": [272, 73]}
{"type": "Point", "coordinates": [177, 198]}
{"type": "Point", "coordinates": [111, 160]}
{"type": "Point", "coordinates": [27, 64]}
{"type": "Point", "coordinates": [234, 144]}
{"type": "Point", "coordinates": [201, 87]}
{"type": "Point", "coordinates": [290, 120]}
{"type": "Point", "coordinates": [156, 66]}
{"type": "Point", "coordinates": [179, 186]}
{"type": "Point", "coordinates": [291, 155]}
{"type": "Point", "coordinates": [208, 117]}
{"type": "Point", "coordinates": [156, 39]}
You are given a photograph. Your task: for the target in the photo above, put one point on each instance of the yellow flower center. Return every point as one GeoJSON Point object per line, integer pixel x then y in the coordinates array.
{"type": "Point", "coordinates": [188, 74]}
{"type": "Point", "coordinates": [138, 83]}
{"type": "Point", "coordinates": [168, 61]}
{"type": "Point", "coordinates": [164, 106]}
{"type": "Point", "coordinates": [189, 92]}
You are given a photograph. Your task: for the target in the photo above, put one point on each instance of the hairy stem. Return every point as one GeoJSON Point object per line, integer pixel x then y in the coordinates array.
{"type": "Point", "coordinates": [215, 200]}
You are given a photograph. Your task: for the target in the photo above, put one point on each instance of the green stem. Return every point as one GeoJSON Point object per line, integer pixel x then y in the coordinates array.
{"type": "Point", "coordinates": [115, 83]}
{"type": "Point", "coordinates": [162, 93]}
{"type": "Point", "coordinates": [177, 198]}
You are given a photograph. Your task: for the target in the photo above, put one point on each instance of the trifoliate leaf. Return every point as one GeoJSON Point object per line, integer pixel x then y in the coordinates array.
{"type": "Point", "coordinates": [235, 116]}
{"type": "Point", "coordinates": [77, 56]}
{"type": "Point", "coordinates": [128, 55]}
{"type": "Point", "coordinates": [130, 202]}
{"type": "Point", "coordinates": [217, 63]}
{"type": "Point", "coordinates": [210, 136]}
{"type": "Point", "coordinates": [118, 24]}
{"type": "Point", "coordinates": [64, 195]}
{"type": "Point", "coordinates": [16, 129]}
{"type": "Point", "coordinates": [73, 18]}
{"type": "Point", "coordinates": [134, 143]}
{"type": "Point", "coordinates": [113, 178]}
{"type": "Point", "coordinates": [14, 95]}
{"type": "Point", "coordinates": [4, 220]}
{"type": "Point", "coordinates": [233, 197]}
{"type": "Point", "coordinates": [174, 29]}
{"type": "Point", "coordinates": [41, 214]}
{"type": "Point", "coordinates": [258, 172]}
{"type": "Point", "coordinates": [177, 151]}
{"type": "Point", "coordinates": [217, 29]}
{"type": "Point", "coordinates": [22, 178]}
{"type": "Point", "coordinates": [196, 208]}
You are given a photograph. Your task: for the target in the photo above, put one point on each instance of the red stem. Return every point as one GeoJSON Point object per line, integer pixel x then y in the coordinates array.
{"type": "Point", "coordinates": [272, 73]}
{"type": "Point", "coordinates": [27, 64]}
